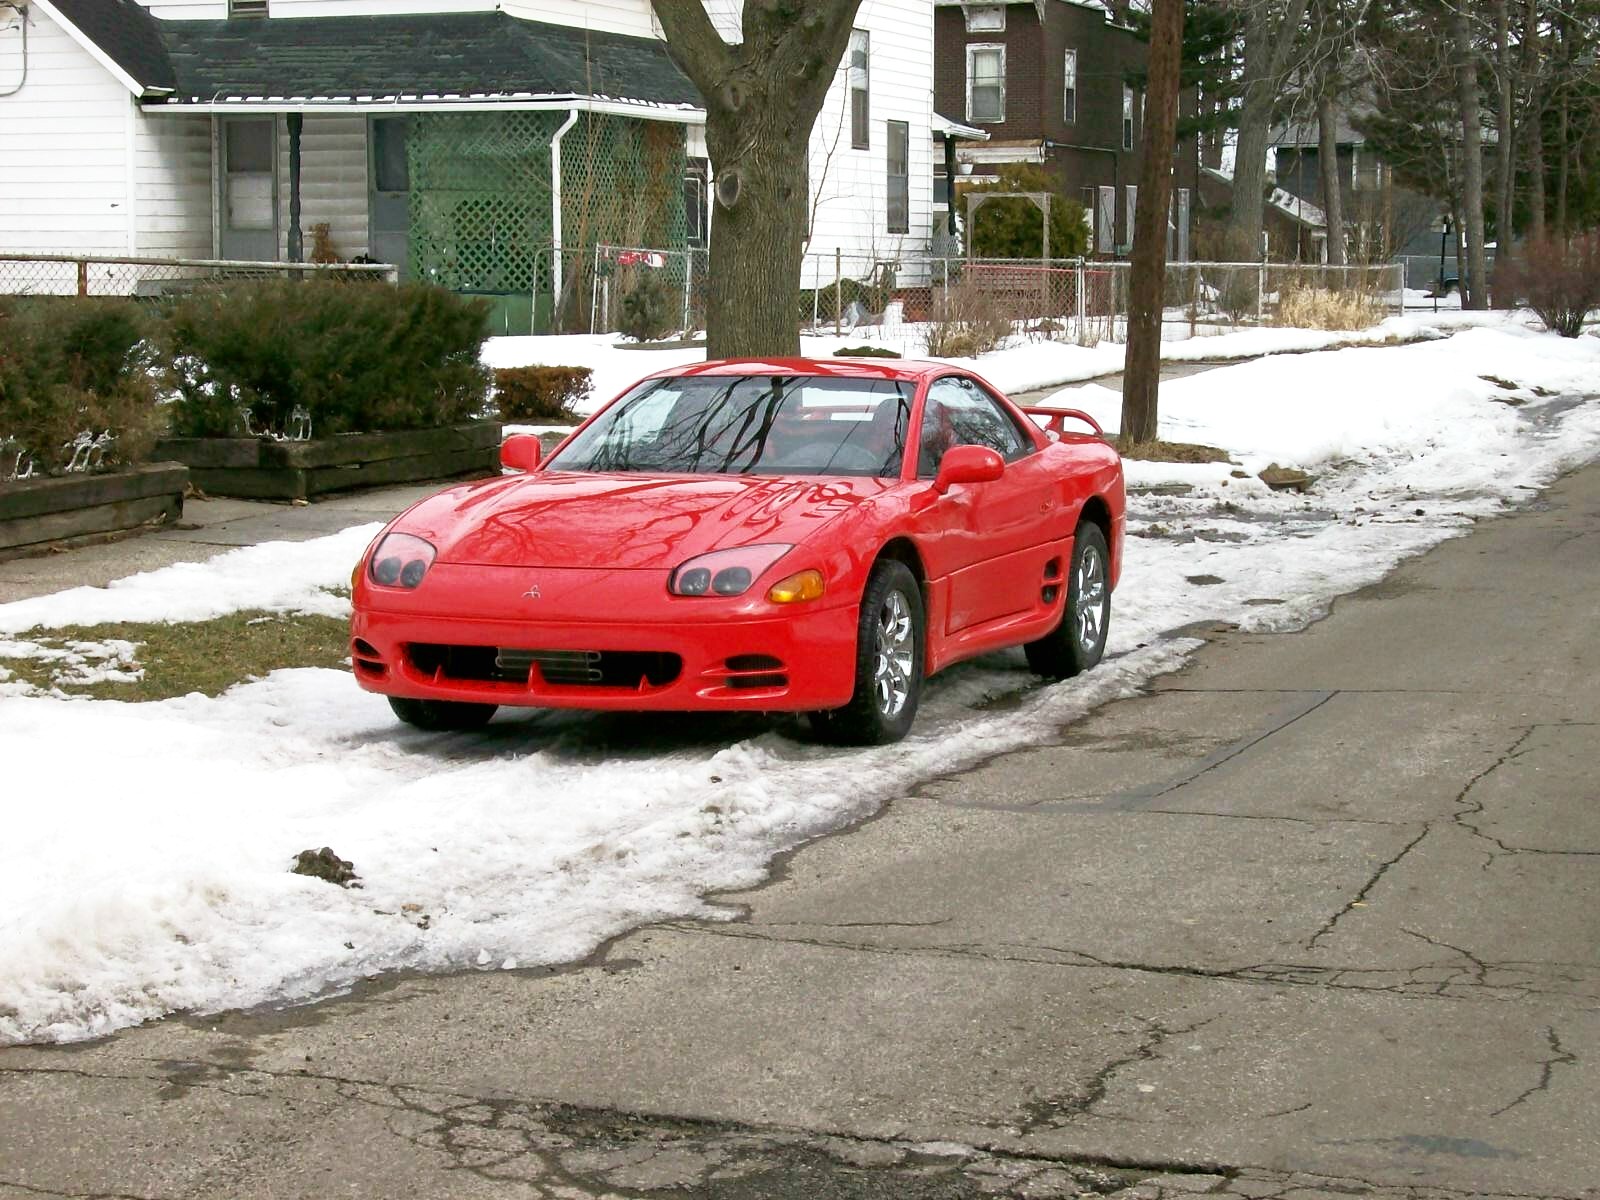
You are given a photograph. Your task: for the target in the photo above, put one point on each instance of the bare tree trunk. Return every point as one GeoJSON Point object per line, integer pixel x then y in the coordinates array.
{"type": "Point", "coordinates": [1266, 50]}
{"type": "Point", "coordinates": [762, 97]}
{"type": "Point", "coordinates": [1142, 362]}
{"type": "Point", "coordinates": [1473, 294]}
{"type": "Point", "coordinates": [1328, 163]}
{"type": "Point", "coordinates": [1506, 119]}
{"type": "Point", "coordinates": [1563, 165]}
{"type": "Point", "coordinates": [1533, 119]}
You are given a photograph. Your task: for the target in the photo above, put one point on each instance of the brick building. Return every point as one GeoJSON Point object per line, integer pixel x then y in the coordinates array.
{"type": "Point", "coordinates": [1048, 81]}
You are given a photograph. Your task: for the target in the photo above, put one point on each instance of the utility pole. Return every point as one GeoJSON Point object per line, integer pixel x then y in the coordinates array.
{"type": "Point", "coordinates": [1142, 364]}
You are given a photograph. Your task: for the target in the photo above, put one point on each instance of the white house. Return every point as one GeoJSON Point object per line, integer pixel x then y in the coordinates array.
{"type": "Point", "coordinates": [459, 139]}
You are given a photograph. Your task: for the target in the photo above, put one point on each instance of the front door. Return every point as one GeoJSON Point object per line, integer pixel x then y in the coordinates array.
{"type": "Point", "coordinates": [250, 189]}
{"type": "Point", "coordinates": [389, 193]}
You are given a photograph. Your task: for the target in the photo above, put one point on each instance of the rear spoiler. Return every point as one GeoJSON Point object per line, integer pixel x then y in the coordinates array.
{"type": "Point", "coordinates": [1055, 419]}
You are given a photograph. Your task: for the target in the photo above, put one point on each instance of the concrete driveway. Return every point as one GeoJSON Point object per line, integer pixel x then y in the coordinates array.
{"type": "Point", "coordinates": [1316, 917]}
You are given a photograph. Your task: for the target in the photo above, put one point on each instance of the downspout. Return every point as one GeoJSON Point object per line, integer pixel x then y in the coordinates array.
{"type": "Point", "coordinates": [555, 211]}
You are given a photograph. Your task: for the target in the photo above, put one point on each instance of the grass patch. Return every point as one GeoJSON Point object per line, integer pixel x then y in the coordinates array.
{"type": "Point", "coordinates": [198, 656]}
{"type": "Point", "coordinates": [1171, 452]}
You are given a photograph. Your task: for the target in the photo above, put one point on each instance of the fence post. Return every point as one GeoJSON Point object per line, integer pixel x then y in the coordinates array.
{"type": "Point", "coordinates": [838, 291]}
{"type": "Point", "coordinates": [688, 282]}
{"type": "Point", "coordinates": [1082, 297]}
{"type": "Point", "coordinates": [83, 277]}
{"type": "Point", "coordinates": [1261, 292]}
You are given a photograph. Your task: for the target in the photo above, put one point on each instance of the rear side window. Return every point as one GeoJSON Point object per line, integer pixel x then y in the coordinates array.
{"type": "Point", "coordinates": [960, 413]}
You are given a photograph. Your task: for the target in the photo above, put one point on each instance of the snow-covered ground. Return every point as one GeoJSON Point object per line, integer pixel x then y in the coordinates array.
{"type": "Point", "coordinates": [1024, 365]}
{"type": "Point", "coordinates": [144, 863]}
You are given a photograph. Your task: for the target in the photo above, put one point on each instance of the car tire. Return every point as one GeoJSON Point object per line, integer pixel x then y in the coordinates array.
{"type": "Point", "coordinates": [890, 647]}
{"type": "Point", "coordinates": [441, 715]}
{"type": "Point", "coordinates": [1078, 641]}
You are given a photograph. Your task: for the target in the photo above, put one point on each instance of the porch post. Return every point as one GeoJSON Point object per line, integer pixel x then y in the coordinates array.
{"type": "Point", "coordinates": [950, 183]}
{"type": "Point", "coordinates": [297, 244]}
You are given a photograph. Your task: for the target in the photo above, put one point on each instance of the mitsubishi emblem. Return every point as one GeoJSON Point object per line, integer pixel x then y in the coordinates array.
{"type": "Point", "coordinates": [532, 593]}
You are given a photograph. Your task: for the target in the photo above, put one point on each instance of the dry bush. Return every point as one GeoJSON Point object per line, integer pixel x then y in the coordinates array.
{"type": "Point", "coordinates": [541, 394]}
{"type": "Point", "coordinates": [1302, 306]}
{"type": "Point", "coordinates": [967, 321]}
{"type": "Point", "coordinates": [1558, 280]}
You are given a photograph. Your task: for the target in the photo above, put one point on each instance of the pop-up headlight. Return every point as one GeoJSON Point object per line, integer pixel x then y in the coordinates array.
{"type": "Point", "coordinates": [724, 572]}
{"type": "Point", "coordinates": [401, 560]}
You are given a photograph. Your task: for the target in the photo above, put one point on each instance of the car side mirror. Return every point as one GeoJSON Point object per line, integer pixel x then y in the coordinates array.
{"type": "Point", "coordinates": [520, 452]}
{"type": "Point", "coordinates": [968, 464]}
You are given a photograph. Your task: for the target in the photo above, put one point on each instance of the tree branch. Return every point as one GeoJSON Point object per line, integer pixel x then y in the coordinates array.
{"type": "Point", "coordinates": [695, 45]}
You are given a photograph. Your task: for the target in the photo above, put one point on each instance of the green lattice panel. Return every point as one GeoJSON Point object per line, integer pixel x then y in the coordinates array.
{"type": "Point", "coordinates": [480, 195]}
{"type": "Point", "coordinates": [480, 198]}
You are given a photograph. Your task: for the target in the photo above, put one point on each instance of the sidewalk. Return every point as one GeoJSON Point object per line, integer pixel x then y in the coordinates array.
{"type": "Point", "coordinates": [1315, 917]}
{"type": "Point", "coordinates": [208, 527]}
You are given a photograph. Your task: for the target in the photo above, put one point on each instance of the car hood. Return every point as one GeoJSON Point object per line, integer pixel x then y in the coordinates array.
{"type": "Point", "coordinates": [627, 520]}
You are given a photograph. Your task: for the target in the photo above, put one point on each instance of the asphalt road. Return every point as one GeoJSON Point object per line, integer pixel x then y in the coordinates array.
{"type": "Point", "coordinates": [1314, 918]}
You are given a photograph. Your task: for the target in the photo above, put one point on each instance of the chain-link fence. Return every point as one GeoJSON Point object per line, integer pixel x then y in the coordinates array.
{"type": "Point", "coordinates": [84, 275]}
{"type": "Point", "coordinates": [614, 273]}
{"type": "Point", "coordinates": [1088, 301]}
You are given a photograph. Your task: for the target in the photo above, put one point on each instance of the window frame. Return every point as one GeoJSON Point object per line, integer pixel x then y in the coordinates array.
{"type": "Point", "coordinates": [860, 91]}
{"type": "Point", "coordinates": [1127, 116]}
{"type": "Point", "coordinates": [1069, 86]}
{"type": "Point", "coordinates": [1025, 443]}
{"type": "Point", "coordinates": [898, 185]}
{"type": "Point", "coordinates": [974, 49]}
{"type": "Point", "coordinates": [971, 10]}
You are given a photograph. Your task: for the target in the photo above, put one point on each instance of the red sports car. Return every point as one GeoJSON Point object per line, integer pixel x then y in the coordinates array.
{"type": "Point", "coordinates": [770, 535]}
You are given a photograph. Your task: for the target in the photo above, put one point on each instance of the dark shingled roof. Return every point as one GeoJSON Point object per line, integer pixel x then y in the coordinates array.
{"type": "Point", "coordinates": [481, 55]}
{"type": "Point", "coordinates": [128, 35]}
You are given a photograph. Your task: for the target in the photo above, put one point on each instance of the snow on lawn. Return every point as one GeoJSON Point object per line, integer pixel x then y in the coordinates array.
{"type": "Point", "coordinates": [158, 880]}
{"type": "Point", "coordinates": [1022, 366]}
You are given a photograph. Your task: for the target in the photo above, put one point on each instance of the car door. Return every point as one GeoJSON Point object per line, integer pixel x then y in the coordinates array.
{"type": "Point", "coordinates": [989, 539]}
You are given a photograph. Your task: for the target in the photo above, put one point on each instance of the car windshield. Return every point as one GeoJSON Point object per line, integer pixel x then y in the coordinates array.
{"type": "Point", "coordinates": [748, 425]}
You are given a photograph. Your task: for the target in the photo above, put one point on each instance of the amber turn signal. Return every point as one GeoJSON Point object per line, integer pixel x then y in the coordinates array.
{"type": "Point", "coordinates": [808, 585]}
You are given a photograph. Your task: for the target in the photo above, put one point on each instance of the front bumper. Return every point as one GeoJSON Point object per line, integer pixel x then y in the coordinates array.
{"type": "Point", "coordinates": [719, 661]}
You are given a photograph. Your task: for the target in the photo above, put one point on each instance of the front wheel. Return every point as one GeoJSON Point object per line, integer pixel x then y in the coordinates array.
{"type": "Point", "coordinates": [1077, 643]}
{"type": "Point", "coordinates": [440, 715]}
{"type": "Point", "coordinates": [889, 662]}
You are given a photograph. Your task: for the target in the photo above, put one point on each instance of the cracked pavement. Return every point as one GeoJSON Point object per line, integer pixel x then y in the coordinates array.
{"type": "Point", "coordinates": [1315, 917]}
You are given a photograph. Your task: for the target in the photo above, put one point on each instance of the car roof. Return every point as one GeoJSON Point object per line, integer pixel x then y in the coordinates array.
{"type": "Point", "coordinates": [906, 370]}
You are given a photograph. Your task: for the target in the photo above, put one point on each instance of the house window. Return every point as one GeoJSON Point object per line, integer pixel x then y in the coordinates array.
{"type": "Point", "coordinates": [1069, 87]}
{"type": "Point", "coordinates": [390, 171]}
{"type": "Point", "coordinates": [898, 209]}
{"type": "Point", "coordinates": [1127, 117]}
{"type": "Point", "coordinates": [986, 84]}
{"type": "Point", "coordinates": [247, 8]}
{"type": "Point", "coordinates": [860, 113]}
{"type": "Point", "coordinates": [1366, 173]}
{"type": "Point", "coordinates": [695, 229]}
{"type": "Point", "coordinates": [941, 184]}
{"type": "Point", "coordinates": [986, 18]}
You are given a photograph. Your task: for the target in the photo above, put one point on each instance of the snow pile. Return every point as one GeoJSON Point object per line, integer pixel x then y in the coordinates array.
{"type": "Point", "coordinates": [161, 882]}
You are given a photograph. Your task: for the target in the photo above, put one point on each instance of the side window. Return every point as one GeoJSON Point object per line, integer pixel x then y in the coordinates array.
{"type": "Point", "coordinates": [960, 413]}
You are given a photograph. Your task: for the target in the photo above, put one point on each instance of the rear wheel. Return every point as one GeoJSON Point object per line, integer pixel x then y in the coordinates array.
{"type": "Point", "coordinates": [889, 662]}
{"type": "Point", "coordinates": [439, 715]}
{"type": "Point", "coordinates": [1077, 643]}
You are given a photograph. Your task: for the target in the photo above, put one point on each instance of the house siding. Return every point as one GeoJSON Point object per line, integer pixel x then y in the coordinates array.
{"type": "Point", "coordinates": [64, 147]}
{"type": "Point", "coordinates": [173, 156]}
{"type": "Point", "coordinates": [333, 183]}
{"type": "Point", "coordinates": [851, 186]}
{"type": "Point", "coordinates": [605, 16]}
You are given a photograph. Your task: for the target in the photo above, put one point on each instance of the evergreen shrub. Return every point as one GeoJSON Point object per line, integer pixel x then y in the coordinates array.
{"type": "Point", "coordinates": [70, 367]}
{"type": "Point", "coordinates": [865, 352]}
{"type": "Point", "coordinates": [533, 395]}
{"type": "Point", "coordinates": [649, 310]}
{"type": "Point", "coordinates": [355, 359]}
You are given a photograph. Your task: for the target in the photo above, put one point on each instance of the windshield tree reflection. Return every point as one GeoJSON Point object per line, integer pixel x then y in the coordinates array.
{"type": "Point", "coordinates": [749, 425]}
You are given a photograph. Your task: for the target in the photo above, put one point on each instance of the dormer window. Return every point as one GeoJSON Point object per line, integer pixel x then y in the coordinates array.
{"type": "Point", "coordinates": [247, 8]}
